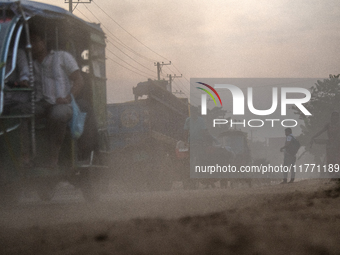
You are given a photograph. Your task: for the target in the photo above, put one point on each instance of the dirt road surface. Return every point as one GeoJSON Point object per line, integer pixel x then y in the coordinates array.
{"type": "Point", "coordinates": [298, 218]}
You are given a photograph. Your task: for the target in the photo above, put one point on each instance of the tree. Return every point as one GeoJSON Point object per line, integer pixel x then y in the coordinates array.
{"type": "Point", "coordinates": [325, 98]}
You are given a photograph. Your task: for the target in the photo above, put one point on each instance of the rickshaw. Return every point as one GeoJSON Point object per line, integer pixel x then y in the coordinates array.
{"type": "Point", "coordinates": [79, 163]}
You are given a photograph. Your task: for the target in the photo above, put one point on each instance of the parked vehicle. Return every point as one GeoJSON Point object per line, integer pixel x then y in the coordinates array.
{"type": "Point", "coordinates": [235, 141]}
{"type": "Point", "coordinates": [143, 134]}
{"type": "Point", "coordinates": [86, 42]}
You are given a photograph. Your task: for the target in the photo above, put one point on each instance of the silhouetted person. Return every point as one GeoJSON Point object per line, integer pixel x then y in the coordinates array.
{"type": "Point", "coordinates": [289, 157]}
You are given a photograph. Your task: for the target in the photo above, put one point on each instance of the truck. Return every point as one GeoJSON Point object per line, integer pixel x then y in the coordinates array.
{"type": "Point", "coordinates": [143, 134]}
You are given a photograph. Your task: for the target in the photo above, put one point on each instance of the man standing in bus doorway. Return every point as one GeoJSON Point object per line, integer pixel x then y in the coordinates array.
{"type": "Point", "coordinates": [289, 157]}
{"type": "Point", "coordinates": [57, 76]}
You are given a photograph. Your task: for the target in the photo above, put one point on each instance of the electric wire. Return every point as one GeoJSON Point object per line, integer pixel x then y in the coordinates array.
{"type": "Point", "coordinates": [117, 56]}
{"type": "Point", "coordinates": [128, 63]}
{"type": "Point", "coordinates": [127, 68]}
{"type": "Point", "coordinates": [88, 20]}
{"type": "Point", "coordinates": [116, 46]}
{"type": "Point", "coordinates": [120, 42]}
{"type": "Point", "coordinates": [130, 57]}
{"type": "Point", "coordinates": [130, 33]}
{"type": "Point", "coordinates": [179, 91]}
{"type": "Point", "coordinates": [181, 88]}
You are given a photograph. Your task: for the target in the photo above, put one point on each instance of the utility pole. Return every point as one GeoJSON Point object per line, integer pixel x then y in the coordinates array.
{"type": "Point", "coordinates": [159, 68]}
{"type": "Point", "coordinates": [70, 4]}
{"type": "Point", "coordinates": [171, 78]}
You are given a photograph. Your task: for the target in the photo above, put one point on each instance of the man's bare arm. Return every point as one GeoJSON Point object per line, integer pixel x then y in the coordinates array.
{"type": "Point", "coordinates": [78, 84]}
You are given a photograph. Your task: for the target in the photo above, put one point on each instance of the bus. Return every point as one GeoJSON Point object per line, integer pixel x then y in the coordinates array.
{"type": "Point", "coordinates": [81, 161]}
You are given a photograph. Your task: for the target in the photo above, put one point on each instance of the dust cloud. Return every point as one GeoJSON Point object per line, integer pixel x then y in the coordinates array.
{"type": "Point", "coordinates": [298, 218]}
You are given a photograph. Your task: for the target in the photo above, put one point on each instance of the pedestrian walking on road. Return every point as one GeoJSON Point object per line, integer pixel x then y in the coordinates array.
{"type": "Point", "coordinates": [290, 149]}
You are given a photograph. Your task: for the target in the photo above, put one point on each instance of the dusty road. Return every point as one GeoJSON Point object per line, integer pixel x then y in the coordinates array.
{"type": "Point", "coordinates": [299, 218]}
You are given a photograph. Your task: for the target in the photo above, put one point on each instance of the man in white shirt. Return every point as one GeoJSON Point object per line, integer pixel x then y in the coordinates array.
{"type": "Point", "coordinates": [57, 76]}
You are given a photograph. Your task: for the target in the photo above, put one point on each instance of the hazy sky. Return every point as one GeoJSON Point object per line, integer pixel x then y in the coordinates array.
{"type": "Point", "coordinates": [215, 38]}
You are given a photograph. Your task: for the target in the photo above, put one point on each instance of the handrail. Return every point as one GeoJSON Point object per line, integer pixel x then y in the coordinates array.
{"type": "Point", "coordinates": [31, 78]}
{"type": "Point", "coordinates": [15, 52]}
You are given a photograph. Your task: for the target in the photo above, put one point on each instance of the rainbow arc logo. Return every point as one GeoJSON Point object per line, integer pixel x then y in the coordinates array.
{"type": "Point", "coordinates": [209, 93]}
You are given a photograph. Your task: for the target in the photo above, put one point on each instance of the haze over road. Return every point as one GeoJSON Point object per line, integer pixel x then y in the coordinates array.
{"type": "Point", "coordinates": [299, 218]}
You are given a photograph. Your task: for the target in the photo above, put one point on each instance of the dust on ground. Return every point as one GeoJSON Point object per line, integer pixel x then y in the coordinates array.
{"type": "Point", "coordinates": [299, 218]}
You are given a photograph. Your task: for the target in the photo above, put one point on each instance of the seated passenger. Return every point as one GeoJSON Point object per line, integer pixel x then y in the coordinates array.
{"type": "Point", "coordinates": [17, 79]}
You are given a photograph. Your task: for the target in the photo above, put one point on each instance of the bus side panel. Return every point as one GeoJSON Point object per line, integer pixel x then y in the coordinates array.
{"type": "Point", "coordinates": [99, 102]}
{"type": "Point", "coordinates": [9, 156]}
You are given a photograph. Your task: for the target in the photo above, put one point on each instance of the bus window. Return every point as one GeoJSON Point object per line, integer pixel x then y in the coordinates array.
{"type": "Point", "coordinates": [98, 60]}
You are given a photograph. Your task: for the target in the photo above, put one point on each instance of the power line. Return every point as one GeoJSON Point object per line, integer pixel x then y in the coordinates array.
{"type": "Point", "coordinates": [121, 51]}
{"type": "Point", "coordinates": [128, 48]}
{"type": "Point", "coordinates": [130, 33]}
{"type": "Point", "coordinates": [183, 75]}
{"type": "Point", "coordinates": [70, 4]}
{"type": "Point", "coordinates": [128, 63]}
{"type": "Point", "coordinates": [119, 41]}
{"type": "Point", "coordinates": [84, 15]}
{"type": "Point", "coordinates": [183, 86]}
{"type": "Point", "coordinates": [117, 56]}
{"type": "Point", "coordinates": [178, 90]}
{"type": "Point", "coordinates": [127, 68]}
{"type": "Point", "coordinates": [130, 57]}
